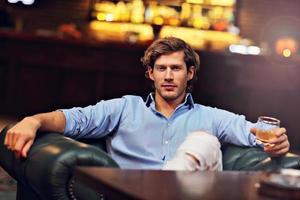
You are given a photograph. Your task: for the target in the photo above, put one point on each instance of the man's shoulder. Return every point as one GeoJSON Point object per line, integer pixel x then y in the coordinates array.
{"type": "Point", "coordinates": [122, 101]}
{"type": "Point", "coordinates": [209, 108]}
{"type": "Point", "coordinates": [201, 106]}
{"type": "Point", "coordinates": [133, 99]}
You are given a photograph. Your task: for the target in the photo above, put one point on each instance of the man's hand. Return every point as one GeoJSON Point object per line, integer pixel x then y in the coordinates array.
{"type": "Point", "coordinates": [21, 136]}
{"type": "Point", "coordinates": [277, 146]}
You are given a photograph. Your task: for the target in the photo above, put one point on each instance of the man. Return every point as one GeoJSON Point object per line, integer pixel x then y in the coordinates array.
{"type": "Point", "coordinates": [146, 135]}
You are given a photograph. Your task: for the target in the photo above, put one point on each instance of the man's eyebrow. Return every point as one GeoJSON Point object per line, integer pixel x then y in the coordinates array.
{"type": "Point", "coordinates": [159, 65]}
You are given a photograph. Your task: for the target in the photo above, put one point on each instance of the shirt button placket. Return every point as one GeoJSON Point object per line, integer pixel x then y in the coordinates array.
{"type": "Point", "coordinates": [167, 135]}
{"type": "Point", "coordinates": [166, 140]}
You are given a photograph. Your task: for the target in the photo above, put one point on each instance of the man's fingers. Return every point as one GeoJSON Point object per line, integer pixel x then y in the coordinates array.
{"type": "Point", "coordinates": [20, 137]}
{"type": "Point", "coordinates": [282, 151]}
{"type": "Point", "coordinates": [26, 148]}
{"type": "Point", "coordinates": [278, 152]}
{"type": "Point", "coordinates": [280, 131]}
{"type": "Point", "coordinates": [19, 144]}
{"type": "Point", "coordinates": [278, 149]}
{"type": "Point", "coordinates": [279, 139]}
{"type": "Point", "coordinates": [8, 139]}
{"type": "Point", "coordinates": [14, 139]}
{"type": "Point", "coordinates": [278, 146]}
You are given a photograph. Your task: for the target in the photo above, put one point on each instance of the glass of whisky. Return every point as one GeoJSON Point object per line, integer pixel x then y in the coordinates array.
{"type": "Point", "coordinates": [265, 128]}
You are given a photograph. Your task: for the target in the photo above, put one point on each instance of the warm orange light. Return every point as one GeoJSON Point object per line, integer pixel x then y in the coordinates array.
{"type": "Point", "coordinates": [101, 16]}
{"type": "Point", "coordinates": [103, 30]}
{"type": "Point", "coordinates": [200, 38]}
{"type": "Point", "coordinates": [286, 53]}
{"type": "Point", "coordinates": [195, 1]}
{"type": "Point", "coordinates": [197, 23]}
{"type": "Point", "coordinates": [286, 46]}
{"type": "Point", "coordinates": [174, 22]}
{"type": "Point", "coordinates": [158, 20]}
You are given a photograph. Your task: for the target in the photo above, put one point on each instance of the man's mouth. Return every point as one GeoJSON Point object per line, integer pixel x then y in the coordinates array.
{"type": "Point", "coordinates": [169, 86]}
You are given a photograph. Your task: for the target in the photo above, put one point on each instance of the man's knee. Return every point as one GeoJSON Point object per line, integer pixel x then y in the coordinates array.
{"type": "Point", "coordinates": [199, 138]}
{"type": "Point", "coordinates": [206, 148]}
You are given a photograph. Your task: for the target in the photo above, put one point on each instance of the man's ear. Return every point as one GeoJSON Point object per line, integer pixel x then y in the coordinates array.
{"type": "Point", "coordinates": [150, 72]}
{"type": "Point", "coordinates": [191, 73]}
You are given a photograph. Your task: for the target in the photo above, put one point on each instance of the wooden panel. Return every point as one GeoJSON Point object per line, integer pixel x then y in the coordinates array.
{"type": "Point", "coordinates": [3, 81]}
{"type": "Point", "coordinates": [47, 73]}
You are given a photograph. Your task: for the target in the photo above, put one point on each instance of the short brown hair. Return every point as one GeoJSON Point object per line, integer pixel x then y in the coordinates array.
{"type": "Point", "coordinates": [169, 45]}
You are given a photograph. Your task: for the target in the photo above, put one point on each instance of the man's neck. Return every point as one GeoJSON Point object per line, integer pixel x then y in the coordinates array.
{"type": "Point", "coordinates": [166, 107]}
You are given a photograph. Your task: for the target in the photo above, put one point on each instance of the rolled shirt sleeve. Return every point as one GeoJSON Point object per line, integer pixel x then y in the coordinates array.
{"type": "Point", "coordinates": [93, 121]}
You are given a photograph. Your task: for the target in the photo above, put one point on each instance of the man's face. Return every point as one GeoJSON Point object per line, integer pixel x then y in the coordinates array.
{"type": "Point", "coordinates": [170, 76]}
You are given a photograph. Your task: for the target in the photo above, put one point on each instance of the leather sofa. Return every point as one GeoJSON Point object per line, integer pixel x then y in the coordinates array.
{"type": "Point", "coordinates": [47, 172]}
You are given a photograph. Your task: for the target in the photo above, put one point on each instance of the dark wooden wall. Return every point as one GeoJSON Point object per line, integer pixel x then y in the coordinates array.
{"type": "Point", "coordinates": [41, 74]}
{"type": "Point", "coordinates": [266, 20]}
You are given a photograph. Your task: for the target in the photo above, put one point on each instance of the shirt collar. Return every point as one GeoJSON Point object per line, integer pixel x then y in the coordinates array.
{"type": "Point", "coordinates": [188, 100]}
{"type": "Point", "coordinates": [149, 99]}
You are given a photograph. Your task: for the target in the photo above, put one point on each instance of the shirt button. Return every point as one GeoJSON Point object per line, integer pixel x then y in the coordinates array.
{"type": "Point", "coordinates": [166, 142]}
{"type": "Point", "coordinates": [168, 124]}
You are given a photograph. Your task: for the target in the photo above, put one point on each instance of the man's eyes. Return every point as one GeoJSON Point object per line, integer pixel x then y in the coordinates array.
{"type": "Point", "coordinates": [161, 68]}
{"type": "Point", "coordinates": [174, 68]}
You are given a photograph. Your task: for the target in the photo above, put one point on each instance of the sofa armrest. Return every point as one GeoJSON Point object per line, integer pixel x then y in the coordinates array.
{"type": "Point", "coordinates": [50, 163]}
{"type": "Point", "coordinates": [253, 159]}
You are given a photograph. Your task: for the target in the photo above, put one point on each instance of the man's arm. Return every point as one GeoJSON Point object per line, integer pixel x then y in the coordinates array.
{"type": "Point", "coordinates": [21, 136]}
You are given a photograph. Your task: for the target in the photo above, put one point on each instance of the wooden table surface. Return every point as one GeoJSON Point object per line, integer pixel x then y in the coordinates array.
{"type": "Point", "coordinates": [157, 184]}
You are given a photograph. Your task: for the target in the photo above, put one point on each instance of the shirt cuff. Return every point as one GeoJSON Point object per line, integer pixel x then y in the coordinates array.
{"type": "Point", "coordinates": [68, 127]}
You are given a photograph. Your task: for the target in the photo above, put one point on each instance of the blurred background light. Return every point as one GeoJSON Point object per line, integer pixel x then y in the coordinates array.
{"type": "Point", "coordinates": [237, 48]}
{"type": "Point", "coordinates": [12, 1]}
{"type": "Point", "coordinates": [25, 2]}
{"type": "Point", "coordinates": [28, 2]}
{"type": "Point", "coordinates": [253, 50]}
{"type": "Point", "coordinates": [286, 46]}
{"type": "Point", "coordinates": [286, 53]}
{"type": "Point", "coordinates": [245, 50]}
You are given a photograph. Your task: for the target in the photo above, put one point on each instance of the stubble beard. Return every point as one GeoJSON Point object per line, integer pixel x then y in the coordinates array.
{"type": "Point", "coordinates": [170, 96]}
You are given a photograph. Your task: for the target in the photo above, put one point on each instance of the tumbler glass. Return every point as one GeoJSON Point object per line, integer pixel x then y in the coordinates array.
{"type": "Point", "coordinates": [265, 128]}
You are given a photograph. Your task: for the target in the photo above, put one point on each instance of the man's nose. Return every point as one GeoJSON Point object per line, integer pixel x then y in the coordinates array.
{"type": "Point", "coordinates": [169, 74]}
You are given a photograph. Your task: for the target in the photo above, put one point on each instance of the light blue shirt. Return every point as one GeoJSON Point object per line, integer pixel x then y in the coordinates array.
{"type": "Point", "coordinates": [142, 138]}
